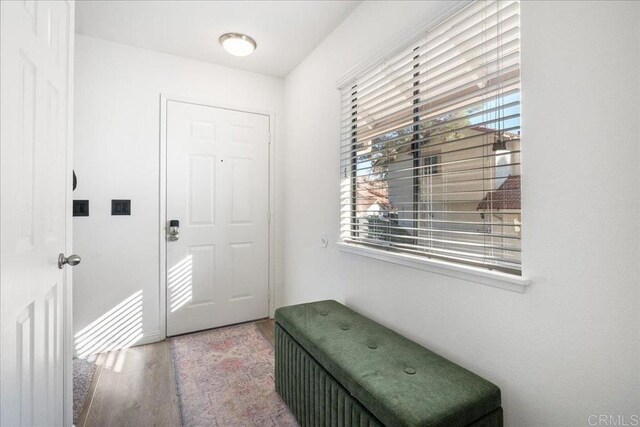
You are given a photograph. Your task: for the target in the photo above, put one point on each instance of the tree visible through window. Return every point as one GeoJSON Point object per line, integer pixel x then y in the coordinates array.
{"type": "Point", "coordinates": [431, 144]}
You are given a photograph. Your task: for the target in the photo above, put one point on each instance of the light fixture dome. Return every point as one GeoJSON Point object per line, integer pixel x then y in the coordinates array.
{"type": "Point", "coordinates": [237, 44]}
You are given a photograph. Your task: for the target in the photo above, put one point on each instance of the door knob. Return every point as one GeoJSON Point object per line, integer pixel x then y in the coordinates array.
{"type": "Point", "coordinates": [71, 260]}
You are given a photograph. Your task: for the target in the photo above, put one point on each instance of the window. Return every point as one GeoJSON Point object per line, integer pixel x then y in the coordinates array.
{"type": "Point", "coordinates": [430, 151]}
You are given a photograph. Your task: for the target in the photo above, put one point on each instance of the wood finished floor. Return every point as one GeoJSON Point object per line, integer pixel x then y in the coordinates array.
{"type": "Point", "coordinates": [136, 386]}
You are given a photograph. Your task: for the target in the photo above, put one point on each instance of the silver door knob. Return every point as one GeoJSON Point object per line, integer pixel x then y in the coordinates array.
{"type": "Point", "coordinates": [71, 260]}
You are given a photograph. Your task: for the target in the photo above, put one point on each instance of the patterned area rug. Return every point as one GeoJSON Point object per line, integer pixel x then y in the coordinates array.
{"type": "Point", "coordinates": [225, 378]}
{"type": "Point", "coordinates": [83, 370]}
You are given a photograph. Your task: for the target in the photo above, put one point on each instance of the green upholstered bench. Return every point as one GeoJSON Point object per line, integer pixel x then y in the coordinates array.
{"type": "Point", "coordinates": [335, 367]}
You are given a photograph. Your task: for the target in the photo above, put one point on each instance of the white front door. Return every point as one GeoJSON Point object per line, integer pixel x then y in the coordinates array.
{"type": "Point", "coordinates": [218, 190]}
{"type": "Point", "coordinates": [35, 84]}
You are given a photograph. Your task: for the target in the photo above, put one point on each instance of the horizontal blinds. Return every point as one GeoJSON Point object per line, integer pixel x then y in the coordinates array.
{"type": "Point", "coordinates": [431, 143]}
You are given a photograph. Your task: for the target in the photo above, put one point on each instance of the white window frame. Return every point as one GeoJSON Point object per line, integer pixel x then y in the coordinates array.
{"type": "Point", "coordinates": [485, 276]}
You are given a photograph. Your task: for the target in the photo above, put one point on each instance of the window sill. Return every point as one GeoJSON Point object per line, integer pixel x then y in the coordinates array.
{"type": "Point", "coordinates": [486, 277]}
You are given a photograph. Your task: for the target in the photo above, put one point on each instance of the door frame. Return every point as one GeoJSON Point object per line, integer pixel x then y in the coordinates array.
{"type": "Point", "coordinates": [162, 241]}
{"type": "Point", "coordinates": [67, 280]}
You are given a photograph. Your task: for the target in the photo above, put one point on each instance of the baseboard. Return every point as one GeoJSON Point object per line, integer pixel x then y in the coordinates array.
{"type": "Point", "coordinates": [149, 338]}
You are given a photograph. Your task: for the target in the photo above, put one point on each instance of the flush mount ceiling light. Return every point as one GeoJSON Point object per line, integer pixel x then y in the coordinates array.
{"type": "Point", "coordinates": [237, 44]}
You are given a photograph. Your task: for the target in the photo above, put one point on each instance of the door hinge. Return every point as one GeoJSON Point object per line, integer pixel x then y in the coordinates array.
{"type": "Point", "coordinates": [269, 137]}
{"type": "Point", "coordinates": [269, 216]}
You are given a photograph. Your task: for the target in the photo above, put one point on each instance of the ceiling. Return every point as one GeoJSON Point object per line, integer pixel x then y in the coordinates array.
{"type": "Point", "coordinates": [286, 31]}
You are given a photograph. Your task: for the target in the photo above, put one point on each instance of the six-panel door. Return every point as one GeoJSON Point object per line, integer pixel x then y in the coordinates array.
{"type": "Point", "coordinates": [218, 190]}
{"type": "Point", "coordinates": [35, 45]}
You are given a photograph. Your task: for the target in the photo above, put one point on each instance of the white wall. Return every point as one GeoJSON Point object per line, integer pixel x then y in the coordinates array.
{"type": "Point", "coordinates": [570, 346]}
{"type": "Point", "coordinates": [117, 120]}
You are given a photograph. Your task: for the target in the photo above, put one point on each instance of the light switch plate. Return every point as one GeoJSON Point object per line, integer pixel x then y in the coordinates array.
{"type": "Point", "coordinates": [120, 207]}
{"type": "Point", "coordinates": [80, 208]}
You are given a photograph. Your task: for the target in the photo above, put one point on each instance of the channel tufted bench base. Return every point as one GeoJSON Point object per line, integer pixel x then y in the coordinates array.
{"type": "Point", "coordinates": [314, 396]}
{"type": "Point", "coordinates": [335, 367]}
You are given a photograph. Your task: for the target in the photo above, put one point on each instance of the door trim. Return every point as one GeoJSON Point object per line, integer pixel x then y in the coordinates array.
{"type": "Point", "coordinates": [162, 241]}
{"type": "Point", "coordinates": [67, 280]}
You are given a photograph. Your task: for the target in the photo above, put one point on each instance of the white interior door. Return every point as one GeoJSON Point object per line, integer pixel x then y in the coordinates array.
{"type": "Point", "coordinates": [34, 66]}
{"type": "Point", "coordinates": [218, 190]}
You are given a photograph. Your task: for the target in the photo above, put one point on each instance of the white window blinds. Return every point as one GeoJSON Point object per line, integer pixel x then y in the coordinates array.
{"type": "Point", "coordinates": [430, 144]}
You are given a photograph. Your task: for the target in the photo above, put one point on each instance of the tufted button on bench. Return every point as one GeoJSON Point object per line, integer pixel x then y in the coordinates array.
{"type": "Point", "coordinates": [410, 371]}
{"type": "Point", "coordinates": [336, 367]}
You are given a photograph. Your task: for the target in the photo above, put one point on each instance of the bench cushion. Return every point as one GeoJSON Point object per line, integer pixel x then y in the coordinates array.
{"type": "Point", "coordinates": [399, 381]}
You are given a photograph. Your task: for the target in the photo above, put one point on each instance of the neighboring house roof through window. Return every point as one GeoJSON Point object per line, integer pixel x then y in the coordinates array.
{"type": "Point", "coordinates": [507, 196]}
